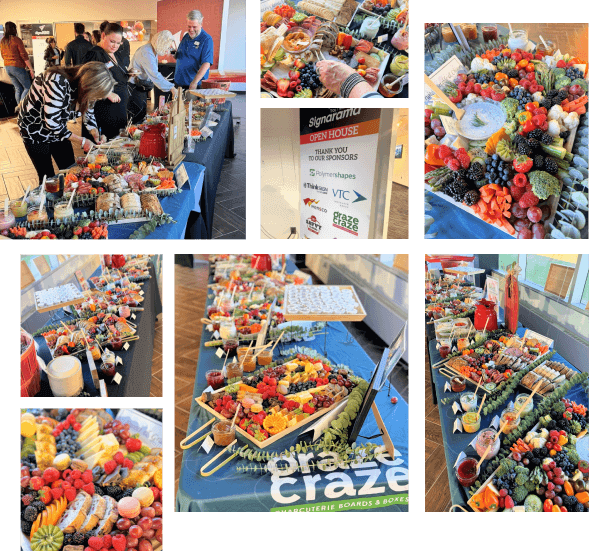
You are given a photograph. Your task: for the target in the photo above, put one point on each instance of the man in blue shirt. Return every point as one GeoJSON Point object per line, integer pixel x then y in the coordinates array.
{"type": "Point", "coordinates": [195, 54]}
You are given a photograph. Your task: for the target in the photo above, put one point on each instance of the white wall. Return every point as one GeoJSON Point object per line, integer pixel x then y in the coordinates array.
{"type": "Point", "coordinates": [280, 205]}
{"type": "Point", "coordinates": [400, 167]}
{"type": "Point", "coordinates": [383, 291]}
{"type": "Point", "coordinates": [234, 59]}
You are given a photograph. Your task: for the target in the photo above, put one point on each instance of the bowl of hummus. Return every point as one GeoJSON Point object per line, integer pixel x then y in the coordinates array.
{"type": "Point", "coordinates": [297, 40]}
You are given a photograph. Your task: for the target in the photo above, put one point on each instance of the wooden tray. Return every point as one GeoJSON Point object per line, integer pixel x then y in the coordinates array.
{"type": "Point", "coordinates": [359, 316]}
{"type": "Point", "coordinates": [276, 437]}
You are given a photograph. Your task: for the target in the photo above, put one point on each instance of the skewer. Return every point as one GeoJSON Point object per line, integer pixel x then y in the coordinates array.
{"type": "Point", "coordinates": [481, 406]}
{"type": "Point", "coordinates": [277, 341]}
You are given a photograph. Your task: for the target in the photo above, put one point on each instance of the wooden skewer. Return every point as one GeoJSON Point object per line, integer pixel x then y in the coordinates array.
{"type": "Point", "coordinates": [262, 349]}
{"type": "Point", "coordinates": [482, 403]}
{"type": "Point", "coordinates": [235, 416]}
{"type": "Point", "coordinates": [277, 341]}
{"type": "Point", "coordinates": [478, 386]}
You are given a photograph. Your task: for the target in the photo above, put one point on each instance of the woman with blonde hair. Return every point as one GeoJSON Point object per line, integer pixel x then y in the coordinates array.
{"type": "Point", "coordinates": [57, 96]}
{"type": "Point", "coordinates": [144, 63]}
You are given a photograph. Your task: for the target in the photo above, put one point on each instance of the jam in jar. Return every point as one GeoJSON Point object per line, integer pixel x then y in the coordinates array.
{"type": "Point", "coordinates": [230, 346]}
{"type": "Point", "coordinates": [486, 438]}
{"type": "Point", "coordinates": [265, 357]}
{"type": "Point", "coordinates": [458, 384]}
{"type": "Point", "coordinates": [215, 379]}
{"type": "Point", "coordinates": [467, 471]}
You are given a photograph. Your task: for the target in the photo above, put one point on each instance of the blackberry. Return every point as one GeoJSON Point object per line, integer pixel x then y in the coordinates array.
{"type": "Point", "coordinates": [536, 134]}
{"type": "Point", "coordinates": [547, 103]}
{"type": "Point", "coordinates": [538, 162]}
{"type": "Point", "coordinates": [98, 490]}
{"type": "Point", "coordinates": [562, 94]}
{"type": "Point", "coordinates": [127, 493]}
{"type": "Point", "coordinates": [546, 139]}
{"type": "Point", "coordinates": [30, 514]}
{"type": "Point", "coordinates": [39, 505]}
{"type": "Point", "coordinates": [456, 190]}
{"type": "Point", "coordinates": [472, 197]}
{"type": "Point", "coordinates": [552, 93]}
{"type": "Point", "coordinates": [475, 172]}
{"type": "Point", "coordinates": [78, 539]}
{"type": "Point", "coordinates": [461, 173]}
{"type": "Point", "coordinates": [565, 135]}
{"type": "Point", "coordinates": [551, 167]}
{"type": "Point", "coordinates": [26, 526]}
{"type": "Point", "coordinates": [534, 144]}
{"type": "Point", "coordinates": [523, 148]}
{"type": "Point", "coordinates": [114, 491]}
{"type": "Point", "coordinates": [67, 539]}
{"type": "Point", "coordinates": [512, 73]}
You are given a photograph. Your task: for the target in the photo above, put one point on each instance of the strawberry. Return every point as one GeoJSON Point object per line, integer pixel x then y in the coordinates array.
{"type": "Point", "coordinates": [456, 98]}
{"type": "Point", "coordinates": [133, 445]}
{"type": "Point", "coordinates": [70, 494]}
{"type": "Point", "coordinates": [56, 493]}
{"type": "Point", "coordinates": [51, 475]}
{"type": "Point", "coordinates": [87, 476]}
{"type": "Point", "coordinates": [96, 543]}
{"type": "Point", "coordinates": [561, 64]}
{"type": "Point", "coordinates": [45, 495]}
{"type": "Point", "coordinates": [119, 458]}
{"type": "Point", "coordinates": [88, 488]}
{"type": "Point", "coordinates": [109, 466]}
{"type": "Point", "coordinates": [509, 504]}
{"type": "Point", "coordinates": [522, 163]}
{"type": "Point", "coordinates": [36, 483]}
{"type": "Point", "coordinates": [119, 542]}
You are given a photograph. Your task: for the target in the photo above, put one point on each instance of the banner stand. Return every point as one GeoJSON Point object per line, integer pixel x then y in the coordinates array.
{"type": "Point", "coordinates": [345, 157]}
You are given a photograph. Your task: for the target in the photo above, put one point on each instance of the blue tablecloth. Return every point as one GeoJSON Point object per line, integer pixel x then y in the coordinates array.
{"type": "Point", "coordinates": [453, 223]}
{"type": "Point", "coordinates": [211, 153]}
{"type": "Point", "coordinates": [455, 443]}
{"type": "Point", "coordinates": [228, 490]}
{"type": "Point", "coordinates": [136, 367]}
{"type": "Point", "coordinates": [179, 206]}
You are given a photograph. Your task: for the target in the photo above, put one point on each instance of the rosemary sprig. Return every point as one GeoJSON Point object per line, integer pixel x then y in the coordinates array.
{"type": "Point", "coordinates": [478, 122]}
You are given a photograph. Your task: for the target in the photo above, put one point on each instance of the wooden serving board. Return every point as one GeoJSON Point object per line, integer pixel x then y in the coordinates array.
{"type": "Point", "coordinates": [276, 437]}
{"type": "Point", "coordinates": [359, 316]}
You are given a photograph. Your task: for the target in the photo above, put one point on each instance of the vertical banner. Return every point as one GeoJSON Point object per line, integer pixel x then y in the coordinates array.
{"type": "Point", "coordinates": [338, 162]}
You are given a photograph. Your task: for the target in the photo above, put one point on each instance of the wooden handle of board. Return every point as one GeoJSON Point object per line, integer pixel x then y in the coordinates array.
{"type": "Point", "coordinates": [388, 443]}
{"type": "Point", "coordinates": [459, 112]}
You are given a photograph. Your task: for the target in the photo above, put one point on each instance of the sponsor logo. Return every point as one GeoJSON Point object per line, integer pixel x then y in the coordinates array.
{"type": "Point", "coordinates": [319, 189]}
{"type": "Point", "coordinates": [321, 174]}
{"type": "Point", "coordinates": [336, 115]}
{"type": "Point", "coordinates": [346, 223]}
{"type": "Point", "coordinates": [313, 203]}
{"type": "Point", "coordinates": [345, 195]}
{"type": "Point", "coordinates": [313, 225]}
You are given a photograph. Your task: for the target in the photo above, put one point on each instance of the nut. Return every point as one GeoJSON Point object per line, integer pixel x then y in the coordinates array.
{"type": "Point", "coordinates": [79, 465]}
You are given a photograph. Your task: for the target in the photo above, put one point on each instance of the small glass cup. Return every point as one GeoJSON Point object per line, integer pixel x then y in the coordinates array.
{"type": "Point", "coordinates": [18, 208]}
{"type": "Point", "coordinates": [519, 402]}
{"type": "Point", "coordinates": [215, 378]}
{"type": "Point", "coordinates": [249, 363]}
{"type": "Point", "coordinates": [265, 357]}
{"type": "Point", "coordinates": [510, 418]}
{"type": "Point", "coordinates": [223, 433]}
{"type": "Point", "coordinates": [467, 471]}
{"type": "Point", "coordinates": [230, 346]}
{"type": "Point", "coordinates": [234, 370]}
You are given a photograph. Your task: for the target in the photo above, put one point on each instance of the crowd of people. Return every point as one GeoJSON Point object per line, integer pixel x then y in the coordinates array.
{"type": "Point", "coordinates": [95, 78]}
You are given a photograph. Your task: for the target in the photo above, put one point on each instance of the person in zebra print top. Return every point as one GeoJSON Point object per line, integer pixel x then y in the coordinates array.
{"type": "Point", "coordinates": [57, 96]}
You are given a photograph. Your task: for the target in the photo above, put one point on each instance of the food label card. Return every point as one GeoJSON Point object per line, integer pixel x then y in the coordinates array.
{"type": "Point", "coordinates": [206, 132]}
{"type": "Point", "coordinates": [473, 442]}
{"type": "Point", "coordinates": [117, 378]}
{"type": "Point", "coordinates": [126, 346]}
{"type": "Point", "coordinates": [133, 316]}
{"type": "Point", "coordinates": [383, 38]}
{"type": "Point", "coordinates": [447, 387]}
{"type": "Point", "coordinates": [495, 422]}
{"type": "Point", "coordinates": [456, 408]}
{"type": "Point", "coordinates": [182, 176]}
{"type": "Point", "coordinates": [457, 426]}
{"type": "Point", "coordinates": [460, 457]}
{"type": "Point", "coordinates": [119, 360]}
{"type": "Point", "coordinates": [207, 444]}
{"type": "Point", "coordinates": [219, 353]}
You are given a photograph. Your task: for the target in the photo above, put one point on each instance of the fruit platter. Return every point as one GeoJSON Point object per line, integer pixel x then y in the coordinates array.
{"type": "Point", "coordinates": [542, 466]}
{"type": "Point", "coordinates": [246, 301]}
{"type": "Point", "coordinates": [505, 138]}
{"type": "Point", "coordinates": [279, 398]}
{"type": "Point", "coordinates": [293, 39]}
{"type": "Point", "coordinates": [89, 481]}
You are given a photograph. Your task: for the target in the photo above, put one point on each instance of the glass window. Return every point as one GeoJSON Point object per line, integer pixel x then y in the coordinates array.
{"type": "Point", "coordinates": [538, 266]}
{"type": "Point", "coordinates": [585, 295]}
{"type": "Point", "coordinates": [505, 260]}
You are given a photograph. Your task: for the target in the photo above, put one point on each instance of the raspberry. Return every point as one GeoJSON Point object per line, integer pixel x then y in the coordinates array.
{"type": "Point", "coordinates": [78, 483]}
{"type": "Point", "coordinates": [528, 199]}
{"type": "Point", "coordinates": [464, 160]}
{"type": "Point", "coordinates": [110, 466]}
{"type": "Point", "coordinates": [454, 164]}
{"type": "Point", "coordinates": [107, 541]}
{"type": "Point", "coordinates": [128, 463]}
{"type": "Point", "coordinates": [56, 493]}
{"type": "Point", "coordinates": [71, 419]}
{"type": "Point", "coordinates": [70, 494]}
{"type": "Point", "coordinates": [444, 151]}
{"type": "Point", "coordinates": [27, 499]}
{"type": "Point", "coordinates": [87, 476]}
{"type": "Point", "coordinates": [77, 427]}
{"type": "Point", "coordinates": [529, 187]}
{"type": "Point", "coordinates": [96, 543]}
{"type": "Point", "coordinates": [516, 193]}
{"type": "Point", "coordinates": [88, 488]}
{"type": "Point", "coordinates": [119, 458]}
{"type": "Point", "coordinates": [76, 474]}
{"type": "Point", "coordinates": [460, 151]}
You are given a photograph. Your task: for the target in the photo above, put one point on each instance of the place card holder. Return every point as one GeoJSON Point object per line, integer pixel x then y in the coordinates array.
{"type": "Point", "coordinates": [457, 426]}
{"type": "Point", "coordinates": [456, 408]}
{"type": "Point", "coordinates": [460, 457]}
{"type": "Point", "coordinates": [447, 387]}
{"type": "Point", "coordinates": [495, 422]}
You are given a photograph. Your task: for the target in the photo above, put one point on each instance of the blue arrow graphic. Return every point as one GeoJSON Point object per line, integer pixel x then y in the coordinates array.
{"type": "Point", "coordinates": [359, 197]}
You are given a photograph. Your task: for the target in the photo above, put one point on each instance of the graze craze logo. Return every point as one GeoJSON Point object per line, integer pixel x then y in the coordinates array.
{"type": "Point", "coordinates": [313, 225]}
{"type": "Point", "coordinates": [319, 189]}
{"type": "Point", "coordinates": [313, 203]}
{"type": "Point", "coordinates": [337, 115]}
{"type": "Point", "coordinates": [346, 222]}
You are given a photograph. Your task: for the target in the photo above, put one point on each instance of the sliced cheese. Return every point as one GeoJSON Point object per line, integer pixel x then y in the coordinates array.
{"type": "Point", "coordinates": [89, 438]}
{"type": "Point", "coordinates": [93, 459]}
{"type": "Point", "coordinates": [110, 443]}
{"type": "Point", "coordinates": [90, 448]}
{"type": "Point", "coordinates": [460, 142]}
{"type": "Point", "coordinates": [88, 423]}
{"type": "Point", "coordinates": [90, 431]}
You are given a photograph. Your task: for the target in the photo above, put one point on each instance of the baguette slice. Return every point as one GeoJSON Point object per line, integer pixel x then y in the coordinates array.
{"type": "Point", "coordinates": [96, 512]}
{"type": "Point", "coordinates": [111, 514]}
{"type": "Point", "coordinates": [75, 515]}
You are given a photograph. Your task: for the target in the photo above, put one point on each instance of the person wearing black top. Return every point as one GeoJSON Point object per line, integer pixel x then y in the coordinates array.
{"type": "Point", "coordinates": [77, 49]}
{"type": "Point", "coordinates": [124, 50]}
{"type": "Point", "coordinates": [53, 55]}
{"type": "Point", "coordinates": [58, 96]}
{"type": "Point", "coordinates": [111, 113]}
